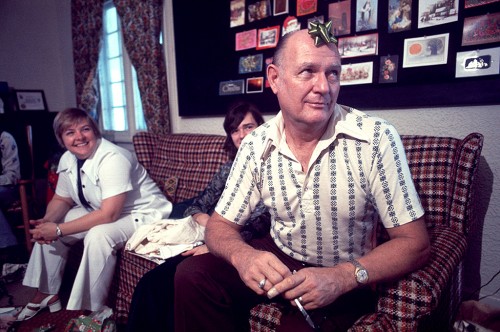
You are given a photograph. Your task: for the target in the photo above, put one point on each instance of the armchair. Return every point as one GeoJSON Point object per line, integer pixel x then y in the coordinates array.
{"type": "Point", "coordinates": [443, 170]}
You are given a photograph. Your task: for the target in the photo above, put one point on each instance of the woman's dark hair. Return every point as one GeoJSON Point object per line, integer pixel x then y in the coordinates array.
{"type": "Point", "coordinates": [234, 116]}
{"type": "Point", "coordinates": [68, 118]}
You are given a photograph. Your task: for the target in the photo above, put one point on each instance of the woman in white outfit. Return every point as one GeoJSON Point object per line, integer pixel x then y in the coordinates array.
{"type": "Point", "coordinates": [116, 196]}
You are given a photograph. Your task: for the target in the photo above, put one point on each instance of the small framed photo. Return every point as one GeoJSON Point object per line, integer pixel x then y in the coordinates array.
{"type": "Point", "coordinates": [475, 3]}
{"type": "Point", "coordinates": [31, 100]}
{"type": "Point", "coordinates": [259, 10]}
{"type": "Point", "coordinates": [250, 64]}
{"type": "Point", "coordinates": [340, 15]}
{"type": "Point", "coordinates": [366, 15]}
{"type": "Point", "coordinates": [280, 7]}
{"type": "Point", "coordinates": [237, 9]}
{"type": "Point", "coordinates": [235, 87]}
{"type": "Point", "coordinates": [426, 51]}
{"type": "Point", "coordinates": [357, 73]}
{"type": "Point", "coordinates": [388, 69]}
{"type": "Point", "coordinates": [255, 84]}
{"type": "Point", "coordinates": [350, 47]}
{"type": "Point", "coordinates": [478, 63]}
{"type": "Point", "coordinates": [434, 12]}
{"type": "Point", "coordinates": [268, 37]}
{"type": "Point", "coordinates": [305, 7]}
{"type": "Point", "coordinates": [400, 14]}
{"type": "Point", "coordinates": [246, 39]}
{"type": "Point", "coordinates": [481, 29]}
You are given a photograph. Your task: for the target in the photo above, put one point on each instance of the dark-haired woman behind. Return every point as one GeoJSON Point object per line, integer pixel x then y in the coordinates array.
{"type": "Point", "coordinates": [153, 297]}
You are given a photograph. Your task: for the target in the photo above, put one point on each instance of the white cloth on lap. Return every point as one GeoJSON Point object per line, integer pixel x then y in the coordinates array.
{"type": "Point", "coordinates": [166, 238]}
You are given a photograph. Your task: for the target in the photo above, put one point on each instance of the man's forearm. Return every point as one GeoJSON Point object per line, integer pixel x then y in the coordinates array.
{"type": "Point", "coordinates": [223, 239]}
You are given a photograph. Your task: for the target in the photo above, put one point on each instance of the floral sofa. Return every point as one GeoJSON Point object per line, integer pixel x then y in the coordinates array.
{"type": "Point", "coordinates": [443, 169]}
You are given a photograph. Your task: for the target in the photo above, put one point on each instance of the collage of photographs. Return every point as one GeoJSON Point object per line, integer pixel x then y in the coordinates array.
{"type": "Point", "coordinates": [358, 26]}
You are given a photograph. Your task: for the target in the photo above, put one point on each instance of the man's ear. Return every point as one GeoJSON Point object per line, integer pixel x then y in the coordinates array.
{"type": "Point", "coordinates": [272, 77]}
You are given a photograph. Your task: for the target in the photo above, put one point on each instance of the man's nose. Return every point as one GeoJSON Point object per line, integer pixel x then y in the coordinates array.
{"type": "Point", "coordinates": [321, 84]}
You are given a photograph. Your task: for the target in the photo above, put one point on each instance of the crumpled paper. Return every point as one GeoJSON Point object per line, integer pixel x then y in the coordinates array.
{"type": "Point", "coordinates": [166, 238]}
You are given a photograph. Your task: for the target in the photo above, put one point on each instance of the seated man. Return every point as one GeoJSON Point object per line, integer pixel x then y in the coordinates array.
{"type": "Point", "coordinates": [329, 174]}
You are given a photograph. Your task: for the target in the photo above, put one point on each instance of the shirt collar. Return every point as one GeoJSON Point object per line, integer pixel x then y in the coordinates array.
{"type": "Point", "coordinates": [341, 122]}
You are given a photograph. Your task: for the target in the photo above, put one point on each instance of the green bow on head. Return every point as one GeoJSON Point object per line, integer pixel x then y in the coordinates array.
{"type": "Point", "coordinates": [322, 33]}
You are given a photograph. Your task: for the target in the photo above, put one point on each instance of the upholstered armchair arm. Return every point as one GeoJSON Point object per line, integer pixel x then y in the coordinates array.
{"type": "Point", "coordinates": [403, 304]}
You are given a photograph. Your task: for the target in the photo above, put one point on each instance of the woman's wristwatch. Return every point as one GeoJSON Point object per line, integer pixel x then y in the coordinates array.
{"type": "Point", "coordinates": [58, 231]}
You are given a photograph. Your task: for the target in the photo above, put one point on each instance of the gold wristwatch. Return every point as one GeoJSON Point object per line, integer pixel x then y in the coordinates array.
{"type": "Point", "coordinates": [360, 273]}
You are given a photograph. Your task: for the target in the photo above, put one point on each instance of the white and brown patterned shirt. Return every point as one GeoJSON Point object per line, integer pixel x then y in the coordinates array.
{"type": "Point", "coordinates": [357, 176]}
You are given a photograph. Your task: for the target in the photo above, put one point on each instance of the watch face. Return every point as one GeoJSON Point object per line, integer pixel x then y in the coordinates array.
{"type": "Point", "coordinates": [362, 276]}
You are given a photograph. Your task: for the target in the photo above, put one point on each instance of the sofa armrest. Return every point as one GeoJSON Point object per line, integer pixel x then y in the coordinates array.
{"type": "Point", "coordinates": [403, 304]}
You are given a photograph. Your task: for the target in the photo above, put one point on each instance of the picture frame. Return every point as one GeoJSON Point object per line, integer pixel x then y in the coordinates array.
{"type": "Point", "coordinates": [400, 14]}
{"type": "Point", "coordinates": [280, 7]}
{"type": "Point", "coordinates": [426, 51]}
{"type": "Point", "coordinates": [30, 100]}
{"type": "Point", "coordinates": [434, 12]}
{"type": "Point", "coordinates": [476, 3]}
{"type": "Point", "coordinates": [478, 62]}
{"type": "Point", "coordinates": [357, 73]}
{"type": "Point", "coordinates": [340, 15]}
{"type": "Point", "coordinates": [305, 7]}
{"type": "Point", "coordinates": [366, 15]}
{"type": "Point", "coordinates": [268, 37]}
{"type": "Point", "coordinates": [250, 64]}
{"type": "Point", "coordinates": [356, 46]}
{"type": "Point", "coordinates": [255, 84]}
{"type": "Point", "coordinates": [388, 72]}
{"type": "Point", "coordinates": [481, 29]}
{"type": "Point", "coordinates": [237, 13]}
{"type": "Point", "coordinates": [245, 40]}
{"type": "Point", "coordinates": [233, 87]}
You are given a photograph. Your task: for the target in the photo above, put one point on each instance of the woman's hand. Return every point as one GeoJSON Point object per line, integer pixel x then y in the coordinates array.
{"type": "Point", "coordinates": [201, 218]}
{"type": "Point", "coordinates": [44, 231]}
{"type": "Point", "coordinates": [200, 250]}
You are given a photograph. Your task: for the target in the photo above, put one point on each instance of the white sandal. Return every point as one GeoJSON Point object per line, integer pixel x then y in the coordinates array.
{"type": "Point", "coordinates": [31, 309]}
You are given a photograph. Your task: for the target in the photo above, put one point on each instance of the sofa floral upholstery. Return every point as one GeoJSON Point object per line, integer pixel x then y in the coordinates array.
{"type": "Point", "coordinates": [443, 169]}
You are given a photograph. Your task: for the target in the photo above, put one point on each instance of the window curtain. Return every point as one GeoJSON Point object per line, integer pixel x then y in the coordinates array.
{"type": "Point", "coordinates": [87, 37]}
{"type": "Point", "coordinates": [141, 22]}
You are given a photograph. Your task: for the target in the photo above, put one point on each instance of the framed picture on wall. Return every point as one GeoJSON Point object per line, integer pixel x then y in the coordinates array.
{"type": "Point", "coordinates": [340, 15]}
{"type": "Point", "coordinates": [426, 51]}
{"type": "Point", "coordinates": [31, 100]}
{"type": "Point", "coordinates": [280, 7]}
{"type": "Point", "coordinates": [250, 64]}
{"type": "Point", "coordinates": [357, 73]}
{"type": "Point", "coordinates": [366, 15]}
{"type": "Point", "coordinates": [478, 62]}
{"type": "Point", "coordinates": [268, 37]}
{"type": "Point", "coordinates": [481, 29]}
{"type": "Point", "coordinates": [246, 39]}
{"type": "Point", "coordinates": [434, 12]}
{"type": "Point", "coordinates": [237, 9]}
{"type": "Point", "coordinates": [399, 15]}
{"type": "Point", "coordinates": [255, 84]}
{"type": "Point", "coordinates": [350, 47]}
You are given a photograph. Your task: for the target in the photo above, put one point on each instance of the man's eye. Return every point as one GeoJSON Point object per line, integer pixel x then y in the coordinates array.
{"type": "Point", "coordinates": [333, 76]}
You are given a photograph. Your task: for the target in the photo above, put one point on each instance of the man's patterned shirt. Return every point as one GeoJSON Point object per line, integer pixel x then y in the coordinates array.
{"type": "Point", "coordinates": [357, 176]}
